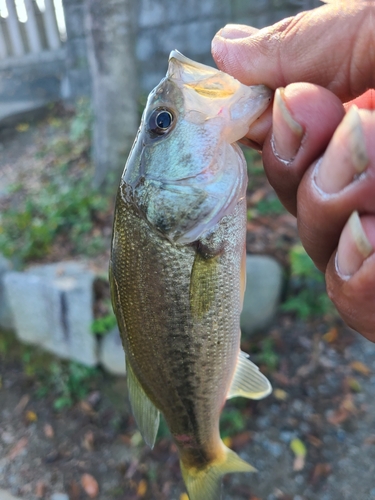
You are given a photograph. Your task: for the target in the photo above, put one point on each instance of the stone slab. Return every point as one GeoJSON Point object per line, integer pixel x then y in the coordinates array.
{"type": "Point", "coordinates": [53, 307]}
{"type": "Point", "coordinates": [5, 495]}
{"type": "Point", "coordinates": [6, 315]}
{"type": "Point", "coordinates": [262, 296]}
{"type": "Point", "coordinates": [111, 354]}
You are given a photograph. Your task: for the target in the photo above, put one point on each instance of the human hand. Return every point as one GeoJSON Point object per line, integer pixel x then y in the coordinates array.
{"type": "Point", "coordinates": [332, 48]}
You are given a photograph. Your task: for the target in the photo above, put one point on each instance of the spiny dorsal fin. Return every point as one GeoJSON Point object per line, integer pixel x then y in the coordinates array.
{"type": "Point", "coordinates": [248, 381]}
{"type": "Point", "coordinates": [145, 413]}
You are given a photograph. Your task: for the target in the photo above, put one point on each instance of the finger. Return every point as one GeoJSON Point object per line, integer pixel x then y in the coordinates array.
{"type": "Point", "coordinates": [364, 101]}
{"type": "Point", "coordinates": [341, 182]}
{"type": "Point", "coordinates": [332, 46]}
{"type": "Point", "coordinates": [304, 118]}
{"type": "Point", "coordinates": [350, 275]}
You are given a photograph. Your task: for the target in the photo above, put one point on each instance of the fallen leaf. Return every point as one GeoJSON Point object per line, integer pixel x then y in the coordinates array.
{"type": "Point", "coordinates": [40, 489]}
{"type": "Point", "coordinates": [31, 416]}
{"type": "Point", "coordinates": [353, 384]}
{"type": "Point", "coordinates": [314, 441]}
{"type": "Point", "coordinates": [361, 368]}
{"type": "Point", "coordinates": [239, 440]}
{"type": "Point", "coordinates": [88, 441]}
{"type": "Point", "coordinates": [331, 335]}
{"type": "Point", "coordinates": [22, 404]}
{"type": "Point", "coordinates": [299, 450]}
{"type": "Point", "coordinates": [75, 491]}
{"type": "Point", "coordinates": [48, 431]}
{"type": "Point", "coordinates": [90, 485]}
{"type": "Point", "coordinates": [346, 409]}
{"type": "Point", "coordinates": [142, 488]}
{"type": "Point", "coordinates": [17, 448]}
{"type": "Point", "coordinates": [280, 394]}
{"type": "Point", "coordinates": [320, 470]}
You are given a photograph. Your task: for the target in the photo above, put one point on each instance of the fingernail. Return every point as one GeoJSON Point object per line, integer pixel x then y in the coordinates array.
{"type": "Point", "coordinates": [346, 156]}
{"type": "Point", "coordinates": [237, 31]}
{"type": "Point", "coordinates": [354, 247]}
{"type": "Point", "coordinates": [287, 132]}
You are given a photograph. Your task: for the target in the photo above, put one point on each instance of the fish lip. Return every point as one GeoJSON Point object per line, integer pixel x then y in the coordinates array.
{"type": "Point", "coordinates": [175, 54]}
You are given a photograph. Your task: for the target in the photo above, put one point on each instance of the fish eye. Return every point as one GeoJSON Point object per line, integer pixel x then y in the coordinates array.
{"type": "Point", "coordinates": [160, 121]}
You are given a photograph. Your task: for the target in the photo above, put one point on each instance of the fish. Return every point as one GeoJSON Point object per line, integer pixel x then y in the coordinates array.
{"type": "Point", "coordinates": [178, 265]}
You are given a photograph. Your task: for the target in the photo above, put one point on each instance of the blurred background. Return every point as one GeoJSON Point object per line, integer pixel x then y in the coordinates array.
{"type": "Point", "coordinates": [74, 78]}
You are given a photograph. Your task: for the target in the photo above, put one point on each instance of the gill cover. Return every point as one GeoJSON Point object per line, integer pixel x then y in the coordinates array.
{"type": "Point", "coordinates": [184, 172]}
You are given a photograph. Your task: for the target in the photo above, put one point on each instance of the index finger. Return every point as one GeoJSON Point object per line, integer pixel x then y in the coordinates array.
{"type": "Point", "coordinates": [332, 46]}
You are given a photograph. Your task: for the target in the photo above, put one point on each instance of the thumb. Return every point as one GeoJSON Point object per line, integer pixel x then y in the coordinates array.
{"type": "Point", "coordinates": [332, 46]}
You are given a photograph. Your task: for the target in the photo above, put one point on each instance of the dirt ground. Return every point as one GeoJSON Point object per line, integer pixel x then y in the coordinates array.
{"type": "Point", "coordinates": [323, 396]}
{"type": "Point", "coordinates": [312, 439]}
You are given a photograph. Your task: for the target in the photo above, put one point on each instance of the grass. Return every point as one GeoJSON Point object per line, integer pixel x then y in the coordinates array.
{"type": "Point", "coordinates": [63, 207]}
{"type": "Point", "coordinates": [307, 297]}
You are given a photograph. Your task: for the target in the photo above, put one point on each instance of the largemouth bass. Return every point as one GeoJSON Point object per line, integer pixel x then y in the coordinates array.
{"type": "Point", "coordinates": [177, 268]}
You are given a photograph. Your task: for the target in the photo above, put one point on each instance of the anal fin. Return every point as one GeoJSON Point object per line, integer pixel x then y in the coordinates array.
{"type": "Point", "coordinates": [248, 381]}
{"type": "Point", "coordinates": [145, 413]}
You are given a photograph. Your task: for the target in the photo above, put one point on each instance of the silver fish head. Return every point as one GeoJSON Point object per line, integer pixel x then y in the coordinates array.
{"type": "Point", "coordinates": [184, 172]}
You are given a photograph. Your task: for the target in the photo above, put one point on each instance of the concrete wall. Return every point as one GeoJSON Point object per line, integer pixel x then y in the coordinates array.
{"type": "Point", "coordinates": [162, 25]}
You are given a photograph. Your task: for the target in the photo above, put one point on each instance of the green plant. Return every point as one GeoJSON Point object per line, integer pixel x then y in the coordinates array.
{"type": "Point", "coordinates": [104, 324]}
{"type": "Point", "coordinates": [232, 421]}
{"type": "Point", "coordinates": [71, 382]}
{"type": "Point", "coordinates": [270, 206]}
{"type": "Point", "coordinates": [268, 355]}
{"type": "Point", "coordinates": [307, 297]}
{"type": "Point", "coordinates": [63, 205]}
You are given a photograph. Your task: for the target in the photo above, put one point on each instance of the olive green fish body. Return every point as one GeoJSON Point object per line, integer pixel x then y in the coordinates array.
{"type": "Point", "coordinates": [180, 319]}
{"type": "Point", "coordinates": [177, 269]}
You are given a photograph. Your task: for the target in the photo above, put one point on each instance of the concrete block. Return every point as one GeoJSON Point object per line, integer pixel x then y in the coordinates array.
{"type": "Point", "coordinates": [6, 316]}
{"type": "Point", "coordinates": [111, 355]}
{"type": "Point", "coordinates": [52, 307]}
{"type": "Point", "coordinates": [263, 291]}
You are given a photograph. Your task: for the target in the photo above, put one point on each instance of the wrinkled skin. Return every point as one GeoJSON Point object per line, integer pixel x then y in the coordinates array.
{"type": "Point", "coordinates": [332, 48]}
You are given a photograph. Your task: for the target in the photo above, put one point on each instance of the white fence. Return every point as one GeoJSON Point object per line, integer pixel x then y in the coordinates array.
{"type": "Point", "coordinates": [30, 27]}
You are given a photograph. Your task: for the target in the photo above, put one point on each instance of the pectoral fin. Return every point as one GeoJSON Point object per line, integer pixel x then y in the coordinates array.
{"type": "Point", "coordinates": [145, 413]}
{"type": "Point", "coordinates": [248, 381]}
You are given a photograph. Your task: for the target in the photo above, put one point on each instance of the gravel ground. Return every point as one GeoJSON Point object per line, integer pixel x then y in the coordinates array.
{"type": "Point", "coordinates": [323, 395]}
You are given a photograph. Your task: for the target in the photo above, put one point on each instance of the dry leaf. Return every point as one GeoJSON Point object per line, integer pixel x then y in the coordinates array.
{"type": "Point", "coordinates": [361, 368]}
{"type": "Point", "coordinates": [74, 491]}
{"type": "Point", "coordinates": [331, 335]}
{"type": "Point", "coordinates": [90, 485]}
{"type": "Point", "coordinates": [314, 441]}
{"type": "Point", "coordinates": [88, 441]}
{"type": "Point", "coordinates": [18, 448]}
{"type": "Point", "coordinates": [31, 416]}
{"type": "Point", "coordinates": [142, 488]}
{"type": "Point", "coordinates": [353, 384]}
{"type": "Point", "coordinates": [22, 404]}
{"type": "Point", "coordinates": [346, 409]}
{"type": "Point", "coordinates": [280, 394]}
{"type": "Point", "coordinates": [320, 471]}
{"type": "Point", "coordinates": [239, 440]}
{"type": "Point", "coordinates": [40, 489]}
{"type": "Point", "coordinates": [48, 431]}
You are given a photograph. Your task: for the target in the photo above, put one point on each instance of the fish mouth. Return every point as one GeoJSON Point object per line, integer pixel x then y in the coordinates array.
{"type": "Point", "coordinates": [177, 56]}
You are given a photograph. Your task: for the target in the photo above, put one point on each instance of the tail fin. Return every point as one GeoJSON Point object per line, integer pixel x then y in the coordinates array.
{"type": "Point", "coordinates": [205, 484]}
